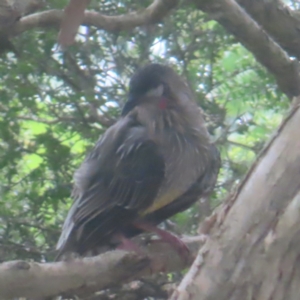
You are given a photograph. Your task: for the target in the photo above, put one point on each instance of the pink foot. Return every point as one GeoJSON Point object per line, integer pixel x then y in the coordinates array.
{"type": "Point", "coordinates": [128, 245]}
{"type": "Point", "coordinates": [168, 237]}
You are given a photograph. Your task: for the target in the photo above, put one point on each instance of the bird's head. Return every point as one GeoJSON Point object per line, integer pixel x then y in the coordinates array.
{"type": "Point", "coordinates": [158, 85]}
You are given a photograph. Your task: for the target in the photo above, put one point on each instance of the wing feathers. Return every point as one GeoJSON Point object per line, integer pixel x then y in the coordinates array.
{"type": "Point", "coordinates": [117, 180]}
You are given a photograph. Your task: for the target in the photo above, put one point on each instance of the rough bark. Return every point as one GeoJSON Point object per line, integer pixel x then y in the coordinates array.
{"type": "Point", "coordinates": [254, 248]}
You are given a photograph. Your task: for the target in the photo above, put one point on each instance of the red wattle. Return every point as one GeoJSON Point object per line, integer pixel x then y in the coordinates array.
{"type": "Point", "coordinates": [163, 103]}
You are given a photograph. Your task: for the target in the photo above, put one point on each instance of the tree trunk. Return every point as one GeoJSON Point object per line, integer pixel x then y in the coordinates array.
{"type": "Point", "coordinates": [253, 250]}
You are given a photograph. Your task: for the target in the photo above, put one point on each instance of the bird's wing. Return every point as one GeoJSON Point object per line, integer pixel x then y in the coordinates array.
{"type": "Point", "coordinates": [120, 177]}
{"type": "Point", "coordinates": [203, 187]}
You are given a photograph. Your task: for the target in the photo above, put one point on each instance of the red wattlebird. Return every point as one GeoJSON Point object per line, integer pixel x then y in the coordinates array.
{"type": "Point", "coordinates": [156, 161]}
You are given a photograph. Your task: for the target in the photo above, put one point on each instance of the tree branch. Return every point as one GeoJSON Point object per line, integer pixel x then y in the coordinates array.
{"type": "Point", "coordinates": [250, 34]}
{"type": "Point", "coordinates": [278, 20]}
{"type": "Point", "coordinates": [52, 18]}
{"type": "Point", "coordinates": [88, 275]}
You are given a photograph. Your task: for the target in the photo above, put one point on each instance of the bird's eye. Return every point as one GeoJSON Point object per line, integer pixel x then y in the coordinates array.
{"type": "Point", "coordinates": [156, 92]}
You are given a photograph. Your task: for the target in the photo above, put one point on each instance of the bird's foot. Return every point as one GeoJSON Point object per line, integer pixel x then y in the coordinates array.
{"type": "Point", "coordinates": [170, 238]}
{"type": "Point", "coordinates": [128, 245]}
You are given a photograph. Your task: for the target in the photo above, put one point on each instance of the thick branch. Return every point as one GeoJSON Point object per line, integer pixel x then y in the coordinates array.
{"type": "Point", "coordinates": [152, 14]}
{"type": "Point", "coordinates": [88, 275]}
{"type": "Point", "coordinates": [278, 20]}
{"type": "Point", "coordinates": [254, 248]}
{"type": "Point", "coordinates": [250, 34]}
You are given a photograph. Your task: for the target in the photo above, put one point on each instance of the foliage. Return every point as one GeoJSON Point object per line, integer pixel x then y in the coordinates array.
{"type": "Point", "coordinates": [49, 100]}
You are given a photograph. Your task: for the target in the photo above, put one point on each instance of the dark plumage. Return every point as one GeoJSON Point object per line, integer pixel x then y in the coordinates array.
{"type": "Point", "coordinates": [156, 161]}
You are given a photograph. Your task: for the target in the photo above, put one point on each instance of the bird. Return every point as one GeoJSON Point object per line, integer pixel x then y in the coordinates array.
{"type": "Point", "coordinates": [154, 162]}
